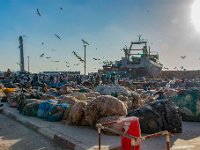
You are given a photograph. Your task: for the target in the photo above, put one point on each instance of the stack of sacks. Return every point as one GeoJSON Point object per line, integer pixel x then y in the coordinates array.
{"type": "Point", "coordinates": [52, 111]}
{"type": "Point", "coordinates": [104, 106]}
{"type": "Point", "coordinates": [23, 102]}
{"type": "Point", "coordinates": [31, 107]}
{"type": "Point", "coordinates": [76, 116]}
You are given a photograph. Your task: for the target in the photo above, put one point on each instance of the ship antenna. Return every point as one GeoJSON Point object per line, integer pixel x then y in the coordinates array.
{"type": "Point", "coordinates": [139, 37]}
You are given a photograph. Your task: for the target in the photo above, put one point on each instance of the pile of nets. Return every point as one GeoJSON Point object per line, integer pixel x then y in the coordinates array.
{"type": "Point", "coordinates": [189, 103]}
{"type": "Point", "coordinates": [158, 116]}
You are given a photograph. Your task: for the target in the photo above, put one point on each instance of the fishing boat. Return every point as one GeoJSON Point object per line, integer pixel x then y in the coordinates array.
{"type": "Point", "coordinates": [139, 61]}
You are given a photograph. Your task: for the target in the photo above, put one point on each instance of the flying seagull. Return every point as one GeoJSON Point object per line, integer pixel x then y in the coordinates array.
{"type": "Point", "coordinates": [96, 58]}
{"type": "Point", "coordinates": [38, 12]}
{"type": "Point", "coordinates": [42, 55]}
{"type": "Point", "coordinates": [84, 42]}
{"type": "Point", "coordinates": [183, 57]}
{"type": "Point", "coordinates": [48, 57]}
{"type": "Point", "coordinates": [57, 36]}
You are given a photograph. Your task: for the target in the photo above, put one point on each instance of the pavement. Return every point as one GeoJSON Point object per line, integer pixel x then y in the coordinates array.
{"type": "Point", "coordinates": [15, 136]}
{"type": "Point", "coordinates": [82, 138]}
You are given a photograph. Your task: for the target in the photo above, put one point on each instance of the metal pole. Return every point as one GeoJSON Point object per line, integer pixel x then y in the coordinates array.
{"type": "Point", "coordinates": [28, 63]}
{"type": "Point", "coordinates": [84, 59]}
{"type": "Point", "coordinates": [167, 141]}
{"type": "Point", "coordinates": [99, 133]}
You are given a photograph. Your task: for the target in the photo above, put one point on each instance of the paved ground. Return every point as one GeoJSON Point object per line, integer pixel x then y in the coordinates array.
{"type": "Point", "coordinates": [15, 136]}
{"type": "Point", "coordinates": [189, 139]}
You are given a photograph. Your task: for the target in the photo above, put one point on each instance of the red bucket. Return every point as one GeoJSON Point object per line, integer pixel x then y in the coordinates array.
{"type": "Point", "coordinates": [131, 126]}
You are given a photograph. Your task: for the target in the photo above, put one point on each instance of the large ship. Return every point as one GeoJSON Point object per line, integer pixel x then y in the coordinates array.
{"type": "Point", "coordinates": [138, 61]}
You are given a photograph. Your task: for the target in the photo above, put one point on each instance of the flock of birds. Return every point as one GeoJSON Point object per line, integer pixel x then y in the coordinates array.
{"type": "Point", "coordinates": [176, 68]}
{"type": "Point", "coordinates": [75, 54]}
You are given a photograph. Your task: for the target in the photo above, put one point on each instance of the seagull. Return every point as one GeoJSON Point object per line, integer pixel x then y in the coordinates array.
{"type": "Point", "coordinates": [56, 61]}
{"type": "Point", "coordinates": [42, 55]}
{"type": "Point", "coordinates": [84, 42]}
{"type": "Point", "coordinates": [67, 66]}
{"type": "Point", "coordinates": [57, 36]}
{"type": "Point", "coordinates": [96, 58]}
{"type": "Point", "coordinates": [38, 12]}
{"type": "Point", "coordinates": [175, 67]}
{"type": "Point", "coordinates": [182, 67]}
{"type": "Point", "coordinates": [48, 57]}
{"type": "Point", "coordinates": [42, 43]}
{"type": "Point", "coordinates": [166, 68]}
{"type": "Point", "coordinates": [183, 57]}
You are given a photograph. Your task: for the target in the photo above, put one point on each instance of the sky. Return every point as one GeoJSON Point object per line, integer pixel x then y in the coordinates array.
{"type": "Point", "coordinates": [170, 27]}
